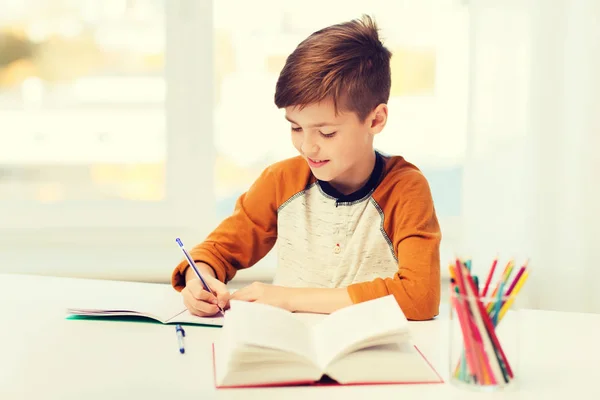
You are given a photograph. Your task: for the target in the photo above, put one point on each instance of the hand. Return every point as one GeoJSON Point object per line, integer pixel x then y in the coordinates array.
{"type": "Point", "coordinates": [259, 292]}
{"type": "Point", "coordinates": [203, 303]}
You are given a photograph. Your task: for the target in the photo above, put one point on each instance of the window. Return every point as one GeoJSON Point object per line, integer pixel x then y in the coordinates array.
{"type": "Point", "coordinates": [101, 106]}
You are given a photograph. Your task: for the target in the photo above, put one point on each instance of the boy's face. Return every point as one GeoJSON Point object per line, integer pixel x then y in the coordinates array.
{"type": "Point", "coordinates": [338, 148]}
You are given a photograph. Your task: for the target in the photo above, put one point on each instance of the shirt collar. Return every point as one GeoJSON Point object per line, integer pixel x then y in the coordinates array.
{"type": "Point", "coordinates": [360, 193]}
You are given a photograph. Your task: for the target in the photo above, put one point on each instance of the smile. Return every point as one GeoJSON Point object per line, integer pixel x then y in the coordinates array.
{"type": "Point", "coordinates": [316, 163]}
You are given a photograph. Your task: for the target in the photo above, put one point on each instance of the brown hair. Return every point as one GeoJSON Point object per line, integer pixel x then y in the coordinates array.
{"type": "Point", "coordinates": [345, 62]}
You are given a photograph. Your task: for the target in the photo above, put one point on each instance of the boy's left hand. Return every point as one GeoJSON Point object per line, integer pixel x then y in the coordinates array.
{"type": "Point", "coordinates": [259, 292]}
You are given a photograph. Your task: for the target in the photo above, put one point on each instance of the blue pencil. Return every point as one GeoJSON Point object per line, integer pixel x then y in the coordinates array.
{"type": "Point", "coordinates": [498, 303]}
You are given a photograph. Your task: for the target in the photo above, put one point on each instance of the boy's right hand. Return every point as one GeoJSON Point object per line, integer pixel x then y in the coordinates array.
{"type": "Point", "coordinates": [203, 303]}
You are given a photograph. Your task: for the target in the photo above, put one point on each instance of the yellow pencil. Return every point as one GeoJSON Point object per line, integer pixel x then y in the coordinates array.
{"type": "Point", "coordinates": [509, 271]}
{"type": "Point", "coordinates": [513, 295]}
{"type": "Point", "coordinates": [505, 274]}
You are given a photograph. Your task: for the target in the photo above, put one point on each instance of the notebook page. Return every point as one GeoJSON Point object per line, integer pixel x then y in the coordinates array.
{"type": "Point", "coordinates": [187, 317]}
{"type": "Point", "coordinates": [158, 300]}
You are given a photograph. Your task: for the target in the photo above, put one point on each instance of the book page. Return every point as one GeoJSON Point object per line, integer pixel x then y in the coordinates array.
{"type": "Point", "coordinates": [391, 363]}
{"type": "Point", "coordinates": [260, 366]}
{"type": "Point", "coordinates": [370, 323]}
{"type": "Point", "coordinates": [254, 324]}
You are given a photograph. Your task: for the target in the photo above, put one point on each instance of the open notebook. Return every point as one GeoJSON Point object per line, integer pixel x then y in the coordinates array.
{"type": "Point", "coordinates": [158, 302]}
{"type": "Point", "coordinates": [366, 343]}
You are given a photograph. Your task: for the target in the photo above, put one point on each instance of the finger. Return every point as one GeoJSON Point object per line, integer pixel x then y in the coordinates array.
{"type": "Point", "coordinates": [188, 304]}
{"type": "Point", "coordinates": [218, 287]}
{"type": "Point", "coordinates": [197, 290]}
{"type": "Point", "coordinates": [205, 299]}
{"type": "Point", "coordinates": [200, 308]}
{"type": "Point", "coordinates": [191, 308]}
{"type": "Point", "coordinates": [222, 293]}
{"type": "Point", "coordinates": [223, 299]}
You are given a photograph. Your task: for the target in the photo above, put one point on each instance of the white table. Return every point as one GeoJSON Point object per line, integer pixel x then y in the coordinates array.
{"type": "Point", "coordinates": [45, 356]}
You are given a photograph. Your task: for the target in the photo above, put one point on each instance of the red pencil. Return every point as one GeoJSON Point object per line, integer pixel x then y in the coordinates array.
{"type": "Point", "coordinates": [516, 279]}
{"type": "Point", "coordinates": [492, 334]}
{"type": "Point", "coordinates": [472, 359]}
{"type": "Point", "coordinates": [504, 277]}
{"type": "Point", "coordinates": [489, 278]}
{"type": "Point", "coordinates": [465, 328]}
{"type": "Point", "coordinates": [482, 356]}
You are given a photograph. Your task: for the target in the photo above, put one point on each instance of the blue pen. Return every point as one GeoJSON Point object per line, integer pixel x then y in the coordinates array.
{"type": "Point", "coordinates": [180, 335]}
{"type": "Point", "coordinates": [193, 265]}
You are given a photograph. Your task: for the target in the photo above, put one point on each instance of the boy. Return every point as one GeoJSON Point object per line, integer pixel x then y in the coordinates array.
{"type": "Point", "coordinates": [350, 223]}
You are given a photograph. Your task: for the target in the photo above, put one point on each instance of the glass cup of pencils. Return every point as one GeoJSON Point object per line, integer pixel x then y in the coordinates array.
{"type": "Point", "coordinates": [484, 327]}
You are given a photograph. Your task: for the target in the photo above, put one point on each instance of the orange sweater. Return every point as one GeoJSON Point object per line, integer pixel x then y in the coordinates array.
{"type": "Point", "coordinates": [383, 239]}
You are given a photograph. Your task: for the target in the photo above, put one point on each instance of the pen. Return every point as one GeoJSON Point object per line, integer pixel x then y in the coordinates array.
{"type": "Point", "coordinates": [180, 335]}
{"type": "Point", "coordinates": [193, 265]}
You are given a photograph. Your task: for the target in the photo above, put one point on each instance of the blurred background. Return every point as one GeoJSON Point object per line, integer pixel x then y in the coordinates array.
{"type": "Point", "coordinates": [127, 123]}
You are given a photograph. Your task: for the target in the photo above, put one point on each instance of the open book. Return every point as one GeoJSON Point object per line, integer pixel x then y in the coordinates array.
{"type": "Point", "coordinates": [261, 345]}
{"type": "Point", "coordinates": [159, 302]}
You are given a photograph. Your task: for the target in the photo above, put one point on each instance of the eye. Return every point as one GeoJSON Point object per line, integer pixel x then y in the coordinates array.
{"type": "Point", "coordinates": [296, 129]}
{"type": "Point", "coordinates": [327, 135]}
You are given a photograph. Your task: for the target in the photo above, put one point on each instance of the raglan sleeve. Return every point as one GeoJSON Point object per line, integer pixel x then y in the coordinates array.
{"type": "Point", "coordinates": [411, 223]}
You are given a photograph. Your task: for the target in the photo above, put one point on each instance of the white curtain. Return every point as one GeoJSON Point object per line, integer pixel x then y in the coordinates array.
{"type": "Point", "coordinates": [531, 186]}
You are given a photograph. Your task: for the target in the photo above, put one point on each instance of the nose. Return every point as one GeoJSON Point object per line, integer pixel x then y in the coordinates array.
{"type": "Point", "coordinates": [309, 145]}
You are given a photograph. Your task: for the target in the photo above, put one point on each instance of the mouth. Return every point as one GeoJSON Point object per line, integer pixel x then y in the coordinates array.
{"type": "Point", "coordinates": [315, 163]}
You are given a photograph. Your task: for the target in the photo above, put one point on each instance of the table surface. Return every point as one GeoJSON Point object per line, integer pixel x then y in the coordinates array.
{"type": "Point", "coordinates": [45, 356]}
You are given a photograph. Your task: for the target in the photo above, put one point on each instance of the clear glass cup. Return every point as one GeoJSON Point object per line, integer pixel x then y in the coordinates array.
{"type": "Point", "coordinates": [484, 342]}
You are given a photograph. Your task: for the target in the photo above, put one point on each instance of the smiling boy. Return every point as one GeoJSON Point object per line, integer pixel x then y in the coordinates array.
{"type": "Point", "coordinates": [350, 223]}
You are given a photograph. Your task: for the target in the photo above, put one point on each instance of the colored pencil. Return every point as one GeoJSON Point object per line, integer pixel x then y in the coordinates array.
{"type": "Point", "coordinates": [467, 337]}
{"type": "Point", "coordinates": [516, 279]}
{"type": "Point", "coordinates": [513, 295]}
{"type": "Point", "coordinates": [481, 337]}
{"type": "Point", "coordinates": [489, 278]}
{"type": "Point", "coordinates": [483, 360]}
{"type": "Point", "coordinates": [505, 275]}
{"type": "Point", "coordinates": [500, 356]}
{"type": "Point", "coordinates": [498, 303]}
{"type": "Point", "coordinates": [472, 360]}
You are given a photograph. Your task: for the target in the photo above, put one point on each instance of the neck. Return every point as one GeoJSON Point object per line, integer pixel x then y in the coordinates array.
{"type": "Point", "coordinates": [356, 177]}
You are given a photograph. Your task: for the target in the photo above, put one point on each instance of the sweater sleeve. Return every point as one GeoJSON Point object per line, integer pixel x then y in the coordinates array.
{"type": "Point", "coordinates": [411, 222]}
{"type": "Point", "coordinates": [243, 238]}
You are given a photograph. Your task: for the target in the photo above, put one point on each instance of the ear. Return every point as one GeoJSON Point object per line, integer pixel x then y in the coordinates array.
{"type": "Point", "coordinates": [378, 118]}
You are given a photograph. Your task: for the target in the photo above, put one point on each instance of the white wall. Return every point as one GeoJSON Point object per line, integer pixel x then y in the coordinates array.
{"type": "Point", "coordinates": [531, 186]}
